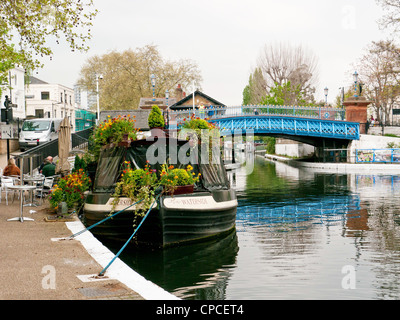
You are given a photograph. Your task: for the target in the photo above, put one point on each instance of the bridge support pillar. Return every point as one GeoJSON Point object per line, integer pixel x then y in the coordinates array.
{"type": "Point", "coordinates": [356, 111]}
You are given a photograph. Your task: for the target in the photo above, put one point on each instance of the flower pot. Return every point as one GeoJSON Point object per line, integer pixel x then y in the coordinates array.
{"type": "Point", "coordinates": [183, 189]}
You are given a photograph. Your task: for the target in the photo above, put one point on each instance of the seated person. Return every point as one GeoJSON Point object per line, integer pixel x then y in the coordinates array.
{"type": "Point", "coordinates": [49, 168]}
{"type": "Point", "coordinates": [11, 169]}
{"type": "Point", "coordinates": [50, 158]}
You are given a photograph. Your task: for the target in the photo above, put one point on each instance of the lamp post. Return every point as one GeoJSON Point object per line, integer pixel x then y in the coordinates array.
{"type": "Point", "coordinates": [98, 76]}
{"type": "Point", "coordinates": [166, 97]}
{"type": "Point", "coordinates": [153, 83]}
{"type": "Point", "coordinates": [355, 79]}
{"type": "Point", "coordinates": [326, 96]}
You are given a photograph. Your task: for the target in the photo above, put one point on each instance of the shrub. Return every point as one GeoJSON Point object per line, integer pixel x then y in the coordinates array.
{"type": "Point", "coordinates": [171, 177]}
{"type": "Point", "coordinates": [70, 189]}
{"type": "Point", "coordinates": [155, 118]}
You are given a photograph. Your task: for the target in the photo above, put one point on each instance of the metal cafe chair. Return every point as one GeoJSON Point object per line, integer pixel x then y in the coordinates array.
{"type": "Point", "coordinates": [7, 181]}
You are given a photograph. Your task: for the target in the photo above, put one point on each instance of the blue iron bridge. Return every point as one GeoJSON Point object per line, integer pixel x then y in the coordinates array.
{"type": "Point", "coordinates": [312, 125]}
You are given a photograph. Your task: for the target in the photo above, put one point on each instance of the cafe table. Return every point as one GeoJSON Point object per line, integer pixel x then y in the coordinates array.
{"type": "Point", "coordinates": [21, 189]}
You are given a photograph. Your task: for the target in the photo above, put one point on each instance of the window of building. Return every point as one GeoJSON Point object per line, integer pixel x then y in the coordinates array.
{"type": "Point", "coordinates": [45, 95]}
{"type": "Point", "coordinates": [39, 113]}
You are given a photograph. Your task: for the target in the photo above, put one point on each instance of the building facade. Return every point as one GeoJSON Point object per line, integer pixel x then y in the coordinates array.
{"type": "Point", "coordinates": [48, 100]}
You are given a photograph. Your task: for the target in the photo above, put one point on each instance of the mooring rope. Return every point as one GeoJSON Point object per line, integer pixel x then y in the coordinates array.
{"type": "Point", "coordinates": [130, 238]}
{"type": "Point", "coordinates": [97, 223]}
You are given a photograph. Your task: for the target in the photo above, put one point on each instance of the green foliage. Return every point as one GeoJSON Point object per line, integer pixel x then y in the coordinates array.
{"type": "Point", "coordinates": [113, 130]}
{"type": "Point", "coordinates": [283, 95]}
{"type": "Point", "coordinates": [171, 176]}
{"type": "Point", "coordinates": [246, 95]}
{"type": "Point", "coordinates": [27, 26]}
{"type": "Point", "coordinates": [70, 189]}
{"type": "Point", "coordinates": [255, 90]}
{"type": "Point", "coordinates": [270, 148]}
{"type": "Point", "coordinates": [155, 118]}
{"type": "Point", "coordinates": [79, 163]}
{"type": "Point", "coordinates": [392, 145]}
{"type": "Point", "coordinates": [136, 184]}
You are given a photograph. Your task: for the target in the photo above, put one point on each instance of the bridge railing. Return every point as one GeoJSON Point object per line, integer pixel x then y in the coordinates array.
{"type": "Point", "coordinates": [215, 112]}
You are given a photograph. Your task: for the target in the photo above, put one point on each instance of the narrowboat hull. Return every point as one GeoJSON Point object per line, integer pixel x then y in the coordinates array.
{"type": "Point", "coordinates": [176, 220]}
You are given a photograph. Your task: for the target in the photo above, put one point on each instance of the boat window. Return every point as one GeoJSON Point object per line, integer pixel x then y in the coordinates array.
{"type": "Point", "coordinates": [107, 171]}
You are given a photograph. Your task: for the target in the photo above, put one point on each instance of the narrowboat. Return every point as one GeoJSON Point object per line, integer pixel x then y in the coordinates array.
{"type": "Point", "coordinates": [205, 212]}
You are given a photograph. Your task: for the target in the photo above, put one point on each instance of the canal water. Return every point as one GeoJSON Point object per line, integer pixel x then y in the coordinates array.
{"type": "Point", "coordinates": [299, 235]}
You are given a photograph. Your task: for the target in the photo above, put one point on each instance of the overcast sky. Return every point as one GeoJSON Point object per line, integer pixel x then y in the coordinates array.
{"type": "Point", "coordinates": [225, 37]}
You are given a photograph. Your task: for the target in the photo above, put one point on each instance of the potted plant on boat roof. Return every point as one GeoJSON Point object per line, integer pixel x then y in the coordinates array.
{"type": "Point", "coordinates": [178, 180]}
{"type": "Point", "coordinates": [136, 184]}
{"type": "Point", "coordinates": [200, 131]}
{"type": "Point", "coordinates": [114, 130]}
{"type": "Point", "coordinates": [155, 119]}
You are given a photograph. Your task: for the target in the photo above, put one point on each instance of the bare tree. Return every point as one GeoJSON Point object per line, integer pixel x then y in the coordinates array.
{"type": "Point", "coordinates": [392, 17]}
{"type": "Point", "coordinates": [281, 64]}
{"type": "Point", "coordinates": [379, 70]}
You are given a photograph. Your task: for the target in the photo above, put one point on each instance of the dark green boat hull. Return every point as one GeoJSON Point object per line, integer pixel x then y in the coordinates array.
{"type": "Point", "coordinates": [177, 220]}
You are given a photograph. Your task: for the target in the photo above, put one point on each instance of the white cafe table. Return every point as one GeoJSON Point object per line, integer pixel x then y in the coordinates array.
{"type": "Point", "coordinates": [21, 189]}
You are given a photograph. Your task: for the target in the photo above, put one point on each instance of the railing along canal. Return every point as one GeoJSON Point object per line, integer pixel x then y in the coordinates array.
{"type": "Point", "coordinates": [378, 155]}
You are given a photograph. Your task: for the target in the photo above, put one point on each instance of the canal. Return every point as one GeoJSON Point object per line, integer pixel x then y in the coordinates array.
{"type": "Point", "coordinates": [299, 235]}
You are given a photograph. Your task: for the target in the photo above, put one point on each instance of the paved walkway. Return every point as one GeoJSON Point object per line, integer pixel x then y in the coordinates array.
{"type": "Point", "coordinates": [34, 266]}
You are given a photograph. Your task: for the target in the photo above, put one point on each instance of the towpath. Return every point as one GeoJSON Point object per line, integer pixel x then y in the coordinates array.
{"type": "Point", "coordinates": [34, 266]}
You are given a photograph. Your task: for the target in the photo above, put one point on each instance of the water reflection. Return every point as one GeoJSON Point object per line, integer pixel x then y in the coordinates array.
{"type": "Point", "coordinates": [198, 271]}
{"type": "Point", "coordinates": [295, 231]}
{"type": "Point", "coordinates": [299, 220]}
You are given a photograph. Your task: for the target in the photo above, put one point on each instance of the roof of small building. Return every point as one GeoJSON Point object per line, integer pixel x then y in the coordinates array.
{"type": "Point", "coordinates": [181, 103]}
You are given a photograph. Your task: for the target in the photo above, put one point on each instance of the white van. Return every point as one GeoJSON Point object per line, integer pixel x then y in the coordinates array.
{"type": "Point", "coordinates": [38, 131]}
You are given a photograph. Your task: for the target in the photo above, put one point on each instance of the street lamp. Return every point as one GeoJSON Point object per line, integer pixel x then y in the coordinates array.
{"type": "Point", "coordinates": [98, 76]}
{"type": "Point", "coordinates": [166, 97]}
{"type": "Point", "coordinates": [153, 83]}
{"type": "Point", "coordinates": [326, 95]}
{"type": "Point", "coordinates": [355, 79]}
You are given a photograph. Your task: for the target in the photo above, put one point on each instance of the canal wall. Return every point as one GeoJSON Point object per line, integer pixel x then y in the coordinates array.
{"type": "Point", "coordinates": [291, 148]}
{"type": "Point", "coordinates": [341, 168]}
